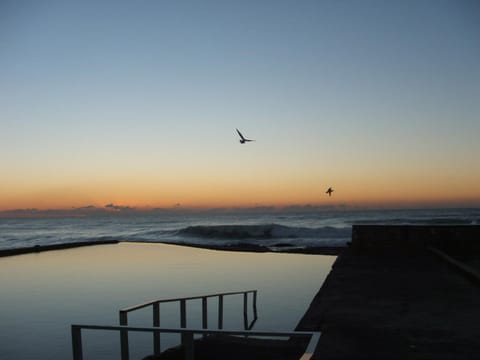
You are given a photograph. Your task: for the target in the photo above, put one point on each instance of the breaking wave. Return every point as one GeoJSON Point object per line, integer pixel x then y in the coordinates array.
{"type": "Point", "coordinates": [266, 234]}
{"type": "Point", "coordinates": [269, 231]}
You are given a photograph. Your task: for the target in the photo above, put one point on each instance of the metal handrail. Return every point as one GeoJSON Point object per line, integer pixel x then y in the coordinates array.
{"type": "Point", "coordinates": [188, 337]}
{"type": "Point", "coordinates": [123, 315]}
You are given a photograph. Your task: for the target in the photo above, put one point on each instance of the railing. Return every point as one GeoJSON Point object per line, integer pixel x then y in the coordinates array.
{"type": "Point", "coordinates": [123, 313]}
{"type": "Point", "coordinates": [187, 336]}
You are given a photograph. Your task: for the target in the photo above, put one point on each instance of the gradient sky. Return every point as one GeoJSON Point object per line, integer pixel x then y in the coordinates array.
{"type": "Point", "coordinates": [136, 103]}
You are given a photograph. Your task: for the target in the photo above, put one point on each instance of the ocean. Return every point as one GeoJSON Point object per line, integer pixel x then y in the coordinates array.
{"type": "Point", "coordinates": [276, 229]}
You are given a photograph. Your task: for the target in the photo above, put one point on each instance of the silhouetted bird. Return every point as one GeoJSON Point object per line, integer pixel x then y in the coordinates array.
{"type": "Point", "coordinates": [243, 140]}
{"type": "Point", "coordinates": [329, 191]}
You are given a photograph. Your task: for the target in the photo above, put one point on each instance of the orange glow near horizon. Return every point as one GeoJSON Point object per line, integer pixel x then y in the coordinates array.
{"type": "Point", "coordinates": [213, 194]}
{"type": "Point", "coordinates": [208, 187]}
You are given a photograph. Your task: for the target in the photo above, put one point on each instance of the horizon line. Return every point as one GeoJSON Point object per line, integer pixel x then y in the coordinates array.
{"type": "Point", "coordinates": [112, 209]}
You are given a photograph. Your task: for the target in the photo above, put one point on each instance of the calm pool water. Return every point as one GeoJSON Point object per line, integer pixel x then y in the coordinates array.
{"type": "Point", "coordinates": [43, 294]}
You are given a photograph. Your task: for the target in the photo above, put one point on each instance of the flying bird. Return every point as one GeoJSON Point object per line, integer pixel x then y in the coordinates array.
{"type": "Point", "coordinates": [329, 191]}
{"type": "Point", "coordinates": [243, 140]}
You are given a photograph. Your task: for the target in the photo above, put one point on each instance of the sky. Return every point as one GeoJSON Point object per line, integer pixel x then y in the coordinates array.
{"type": "Point", "coordinates": [135, 103]}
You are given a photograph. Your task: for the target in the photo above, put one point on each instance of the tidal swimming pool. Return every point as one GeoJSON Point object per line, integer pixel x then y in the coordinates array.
{"type": "Point", "coordinates": [42, 294]}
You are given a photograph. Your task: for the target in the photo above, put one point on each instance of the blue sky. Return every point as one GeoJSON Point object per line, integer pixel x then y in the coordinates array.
{"type": "Point", "coordinates": [146, 95]}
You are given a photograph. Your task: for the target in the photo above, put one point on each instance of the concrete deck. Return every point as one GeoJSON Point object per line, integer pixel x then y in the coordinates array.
{"type": "Point", "coordinates": [399, 303]}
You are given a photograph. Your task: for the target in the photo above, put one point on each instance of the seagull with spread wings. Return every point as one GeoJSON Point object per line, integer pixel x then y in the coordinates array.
{"type": "Point", "coordinates": [243, 139]}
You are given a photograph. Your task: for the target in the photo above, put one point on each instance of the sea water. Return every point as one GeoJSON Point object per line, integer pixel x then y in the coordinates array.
{"type": "Point", "coordinates": [268, 228]}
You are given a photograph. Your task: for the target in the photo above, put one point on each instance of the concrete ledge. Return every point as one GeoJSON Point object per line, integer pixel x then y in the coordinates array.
{"type": "Point", "coordinates": [452, 239]}
{"type": "Point", "coordinates": [40, 248]}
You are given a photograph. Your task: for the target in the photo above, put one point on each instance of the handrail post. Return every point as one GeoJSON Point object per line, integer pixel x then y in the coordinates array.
{"type": "Point", "coordinates": [204, 314]}
{"type": "Point", "coordinates": [183, 313]}
{"type": "Point", "coordinates": [245, 303]}
{"type": "Point", "coordinates": [245, 310]}
{"type": "Point", "coordinates": [156, 323]}
{"type": "Point", "coordinates": [255, 304]}
{"type": "Point", "coordinates": [77, 343]}
{"type": "Point", "coordinates": [125, 352]}
{"type": "Point", "coordinates": [220, 311]}
{"type": "Point", "coordinates": [183, 320]}
{"type": "Point", "coordinates": [188, 345]}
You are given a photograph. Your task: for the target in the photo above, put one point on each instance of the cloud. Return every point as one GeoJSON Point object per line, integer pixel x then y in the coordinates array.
{"type": "Point", "coordinates": [118, 207]}
{"type": "Point", "coordinates": [88, 207]}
